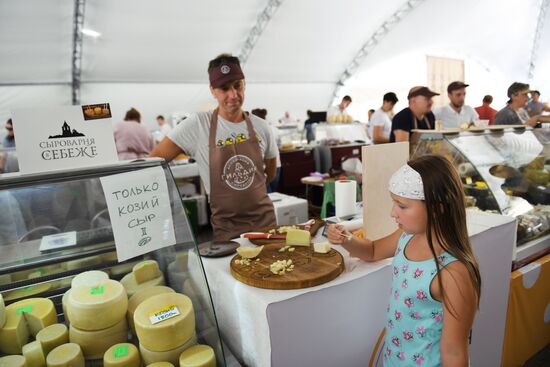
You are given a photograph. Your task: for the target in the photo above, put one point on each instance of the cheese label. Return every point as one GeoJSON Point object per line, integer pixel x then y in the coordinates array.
{"type": "Point", "coordinates": [121, 351]}
{"type": "Point", "coordinates": [164, 313]}
{"type": "Point", "coordinates": [97, 290]}
{"type": "Point", "coordinates": [27, 309]}
{"type": "Point", "coordinates": [28, 289]}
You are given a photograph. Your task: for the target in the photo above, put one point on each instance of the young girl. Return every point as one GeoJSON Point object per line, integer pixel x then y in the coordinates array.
{"type": "Point", "coordinates": [436, 282]}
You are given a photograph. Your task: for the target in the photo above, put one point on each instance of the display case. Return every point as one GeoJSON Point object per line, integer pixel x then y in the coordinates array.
{"type": "Point", "coordinates": [503, 170]}
{"type": "Point", "coordinates": [8, 160]}
{"type": "Point", "coordinates": [39, 262]}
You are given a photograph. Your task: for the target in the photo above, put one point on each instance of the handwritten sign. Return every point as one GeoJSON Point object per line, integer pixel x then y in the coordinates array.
{"type": "Point", "coordinates": [139, 207]}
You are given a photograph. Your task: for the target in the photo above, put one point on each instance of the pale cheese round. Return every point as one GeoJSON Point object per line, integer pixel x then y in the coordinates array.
{"type": "Point", "coordinates": [15, 332]}
{"type": "Point", "coordinates": [160, 364]}
{"type": "Point", "coordinates": [122, 355]}
{"type": "Point", "coordinates": [145, 271]}
{"type": "Point", "coordinates": [141, 296]}
{"type": "Point", "coordinates": [171, 356]}
{"type": "Point", "coordinates": [34, 354]}
{"type": "Point", "coordinates": [198, 356]}
{"type": "Point", "coordinates": [52, 337]}
{"type": "Point", "coordinates": [90, 278]}
{"type": "Point", "coordinates": [13, 361]}
{"type": "Point", "coordinates": [64, 302]}
{"type": "Point", "coordinates": [28, 291]}
{"type": "Point", "coordinates": [66, 355]}
{"type": "Point", "coordinates": [2, 312]}
{"type": "Point", "coordinates": [37, 313]}
{"type": "Point", "coordinates": [95, 343]}
{"type": "Point", "coordinates": [131, 286]}
{"type": "Point", "coordinates": [97, 307]}
{"type": "Point", "coordinates": [180, 328]}
{"type": "Point", "coordinates": [84, 262]}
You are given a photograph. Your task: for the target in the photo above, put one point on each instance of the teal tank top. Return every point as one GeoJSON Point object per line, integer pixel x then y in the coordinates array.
{"type": "Point", "coordinates": [414, 319]}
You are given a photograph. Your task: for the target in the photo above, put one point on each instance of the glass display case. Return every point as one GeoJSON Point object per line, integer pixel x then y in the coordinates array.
{"type": "Point", "coordinates": [503, 170]}
{"type": "Point", "coordinates": [38, 213]}
{"type": "Point", "coordinates": [8, 160]}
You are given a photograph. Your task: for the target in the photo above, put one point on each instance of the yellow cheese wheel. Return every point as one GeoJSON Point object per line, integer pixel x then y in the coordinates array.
{"type": "Point", "coordinates": [13, 361]}
{"type": "Point", "coordinates": [180, 327]}
{"type": "Point", "coordinates": [28, 291]}
{"type": "Point", "coordinates": [66, 355]}
{"type": "Point", "coordinates": [141, 296]}
{"type": "Point", "coordinates": [34, 354]}
{"type": "Point", "coordinates": [5, 279]}
{"type": "Point", "coordinates": [53, 336]}
{"type": "Point", "coordinates": [15, 332]}
{"type": "Point", "coordinates": [198, 356]}
{"type": "Point", "coordinates": [130, 284]}
{"type": "Point", "coordinates": [2, 312]}
{"type": "Point", "coordinates": [172, 356]}
{"type": "Point", "coordinates": [97, 307]}
{"type": "Point", "coordinates": [90, 278]}
{"type": "Point", "coordinates": [64, 302]}
{"type": "Point", "coordinates": [160, 364]}
{"type": "Point", "coordinates": [146, 271]}
{"type": "Point", "coordinates": [122, 355]}
{"type": "Point", "coordinates": [95, 343]}
{"type": "Point", "coordinates": [82, 263]}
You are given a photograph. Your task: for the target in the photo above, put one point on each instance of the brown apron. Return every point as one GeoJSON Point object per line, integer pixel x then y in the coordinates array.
{"type": "Point", "coordinates": [238, 195]}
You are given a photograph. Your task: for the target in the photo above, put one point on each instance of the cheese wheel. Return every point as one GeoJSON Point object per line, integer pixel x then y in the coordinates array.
{"type": "Point", "coordinates": [66, 355]}
{"type": "Point", "coordinates": [146, 271]}
{"type": "Point", "coordinates": [83, 263]}
{"type": "Point", "coordinates": [34, 354]}
{"type": "Point", "coordinates": [28, 291]}
{"type": "Point", "coordinates": [123, 268]}
{"type": "Point", "coordinates": [160, 364]}
{"type": "Point", "coordinates": [37, 313]}
{"type": "Point", "coordinates": [15, 332]}
{"type": "Point", "coordinates": [122, 355]}
{"type": "Point", "coordinates": [95, 343]}
{"type": "Point", "coordinates": [53, 336]}
{"type": "Point", "coordinates": [141, 296]}
{"type": "Point", "coordinates": [109, 257]}
{"type": "Point", "coordinates": [90, 278]}
{"type": "Point", "coordinates": [172, 356]}
{"type": "Point", "coordinates": [131, 286]}
{"type": "Point", "coordinates": [5, 279]}
{"type": "Point", "coordinates": [2, 312]}
{"type": "Point", "coordinates": [64, 302]}
{"type": "Point", "coordinates": [97, 307]}
{"type": "Point", "coordinates": [13, 361]}
{"type": "Point", "coordinates": [198, 356]}
{"type": "Point", "coordinates": [180, 328]}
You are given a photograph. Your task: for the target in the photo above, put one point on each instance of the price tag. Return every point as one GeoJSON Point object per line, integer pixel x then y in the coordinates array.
{"type": "Point", "coordinates": [58, 241]}
{"type": "Point", "coordinates": [97, 290]}
{"type": "Point", "coordinates": [27, 309]}
{"type": "Point", "coordinates": [164, 313]}
{"type": "Point", "coordinates": [121, 351]}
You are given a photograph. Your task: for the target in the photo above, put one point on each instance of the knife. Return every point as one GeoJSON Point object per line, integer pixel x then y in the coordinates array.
{"type": "Point", "coordinates": [261, 235]}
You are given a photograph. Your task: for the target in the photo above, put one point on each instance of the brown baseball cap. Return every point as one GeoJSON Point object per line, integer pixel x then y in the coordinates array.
{"type": "Point", "coordinates": [224, 73]}
{"type": "Point", "coordinates": [456, 85]}
{"type": "Point", "coordinates": [421, 91]}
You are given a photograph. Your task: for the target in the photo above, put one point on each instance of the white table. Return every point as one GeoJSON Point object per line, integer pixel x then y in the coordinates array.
{"type": "Point", "coordinates": [339, 323]}
{"type": "Point", "coordinates": [289, 209]}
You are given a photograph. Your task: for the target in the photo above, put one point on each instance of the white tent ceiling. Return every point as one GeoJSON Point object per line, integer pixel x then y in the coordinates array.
{"type": "Point", "coordinates": [152, 55]}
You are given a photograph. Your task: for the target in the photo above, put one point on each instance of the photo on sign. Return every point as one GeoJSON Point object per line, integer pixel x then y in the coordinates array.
{"type": "Point", "coordinates": [96, 111]}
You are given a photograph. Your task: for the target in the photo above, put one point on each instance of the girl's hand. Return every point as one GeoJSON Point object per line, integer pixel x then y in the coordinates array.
{"type": "Point", "coordinates": [336, 234]}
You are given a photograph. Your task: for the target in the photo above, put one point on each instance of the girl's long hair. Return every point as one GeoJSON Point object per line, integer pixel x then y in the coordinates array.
{"type": "Point", "coordinates": [446, 212]}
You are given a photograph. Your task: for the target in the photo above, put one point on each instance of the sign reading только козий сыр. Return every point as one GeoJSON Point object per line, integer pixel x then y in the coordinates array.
{"type": "Point", "coordinates": [64, 137]}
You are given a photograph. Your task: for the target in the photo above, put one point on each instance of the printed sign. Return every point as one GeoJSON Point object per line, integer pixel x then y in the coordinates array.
{"type": "Point", "coordinates": [163, 314]}
{"type": "Point", "coordinates": [139, 207]}
{"type": "Point", "coordinates": [64, 137]}
{"type": "Point", "coordinates": [57, 241]}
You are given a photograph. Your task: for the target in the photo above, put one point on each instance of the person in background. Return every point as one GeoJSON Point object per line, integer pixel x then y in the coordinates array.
{"type": "Point", "coordinates": [369, 114]}
{"type": "Point", "coordinates": [535, 106]}
{"type": "Point", "coordinates": [436, 284]}
{"type": "Point", "coordinates": [9, 139]}
{"type": "Point", "coordinates": [287, 120]}
{"type": "Point", "coordinates": [338, 113]}
{"type": "Point", "coordinates": [271, 186]}
{"type": "Point", "coordinates": [417, 116]}
{"type": "Point", "coordinates": [380, 122]}
{"type": "Point", "coordinates": [236, 154]}
{"type": "Point", "coordinates": [456, 112]}
{"type": "Point", "coordinates": [514, 113]}
{"type": "Point", "coordinates": [165, 127]}
{"type": "Point", "coordinates": [485, 112]}
{"type": "Point", "coordinates": [132, 140]}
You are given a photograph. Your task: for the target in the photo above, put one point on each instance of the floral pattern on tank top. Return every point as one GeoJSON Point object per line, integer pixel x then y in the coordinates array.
{"type": "Point", "coordinates": [414, 320]}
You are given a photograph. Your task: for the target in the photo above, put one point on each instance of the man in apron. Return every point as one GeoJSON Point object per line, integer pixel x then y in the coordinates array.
{"type": "Point", "coordinates": [231, 149]}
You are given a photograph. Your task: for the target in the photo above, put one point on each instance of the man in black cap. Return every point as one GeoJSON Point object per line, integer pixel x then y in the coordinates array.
{"type": "Point", "coordinates": [236, 154]}
{"type": "Point", "coordinates": [514, 113]}
{"type": "Point", "coordinates": [456, 112]}
{"type": "Point", "coordinates": [417, 116]}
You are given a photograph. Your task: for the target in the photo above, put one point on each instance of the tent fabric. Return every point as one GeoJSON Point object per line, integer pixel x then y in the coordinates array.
{"type": "Point", "coordinates": [153, 55]}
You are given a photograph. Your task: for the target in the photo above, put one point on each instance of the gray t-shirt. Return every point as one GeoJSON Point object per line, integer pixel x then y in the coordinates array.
{"type": "Point", "coordinates": [191, 135]}
{"type": "Point", "coordinates": [507, 116]}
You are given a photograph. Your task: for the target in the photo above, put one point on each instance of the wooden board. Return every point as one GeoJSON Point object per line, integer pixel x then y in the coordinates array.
{"type": "Point", "coordinates": [310, 268]}
{"type": "Point", "coordinates": [262, 241]}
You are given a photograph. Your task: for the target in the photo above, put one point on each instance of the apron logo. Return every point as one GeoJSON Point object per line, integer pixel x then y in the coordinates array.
{"type": "Point", "coordinates": [238, 172]}
{"type": "Point", "coordinates": [225, 69]}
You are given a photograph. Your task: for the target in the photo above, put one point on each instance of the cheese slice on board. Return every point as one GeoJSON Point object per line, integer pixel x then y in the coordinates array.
{"type": "Point", "coordinates": [122, 355]}
{"type": "Point", "coordinates": [97, 307]}
{"type": "Point", "coordinates": [165, 314]}
{"type": "Point", "coordinates": [198, 356]}
{"type": "Point", "coordinates": [52, 337]}
{"type": "Point", "coordinates": [66, 355]}
{"type": "Point", "coordinates": [298, 237]}
{"type": "Point", "coordinates": [34, 354]}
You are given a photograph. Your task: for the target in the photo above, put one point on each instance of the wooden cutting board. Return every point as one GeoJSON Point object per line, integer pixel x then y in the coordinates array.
{"type": "Point", "coordinates": [263, 241]}
{"type": "Point", "coordinates": [310, 268]}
